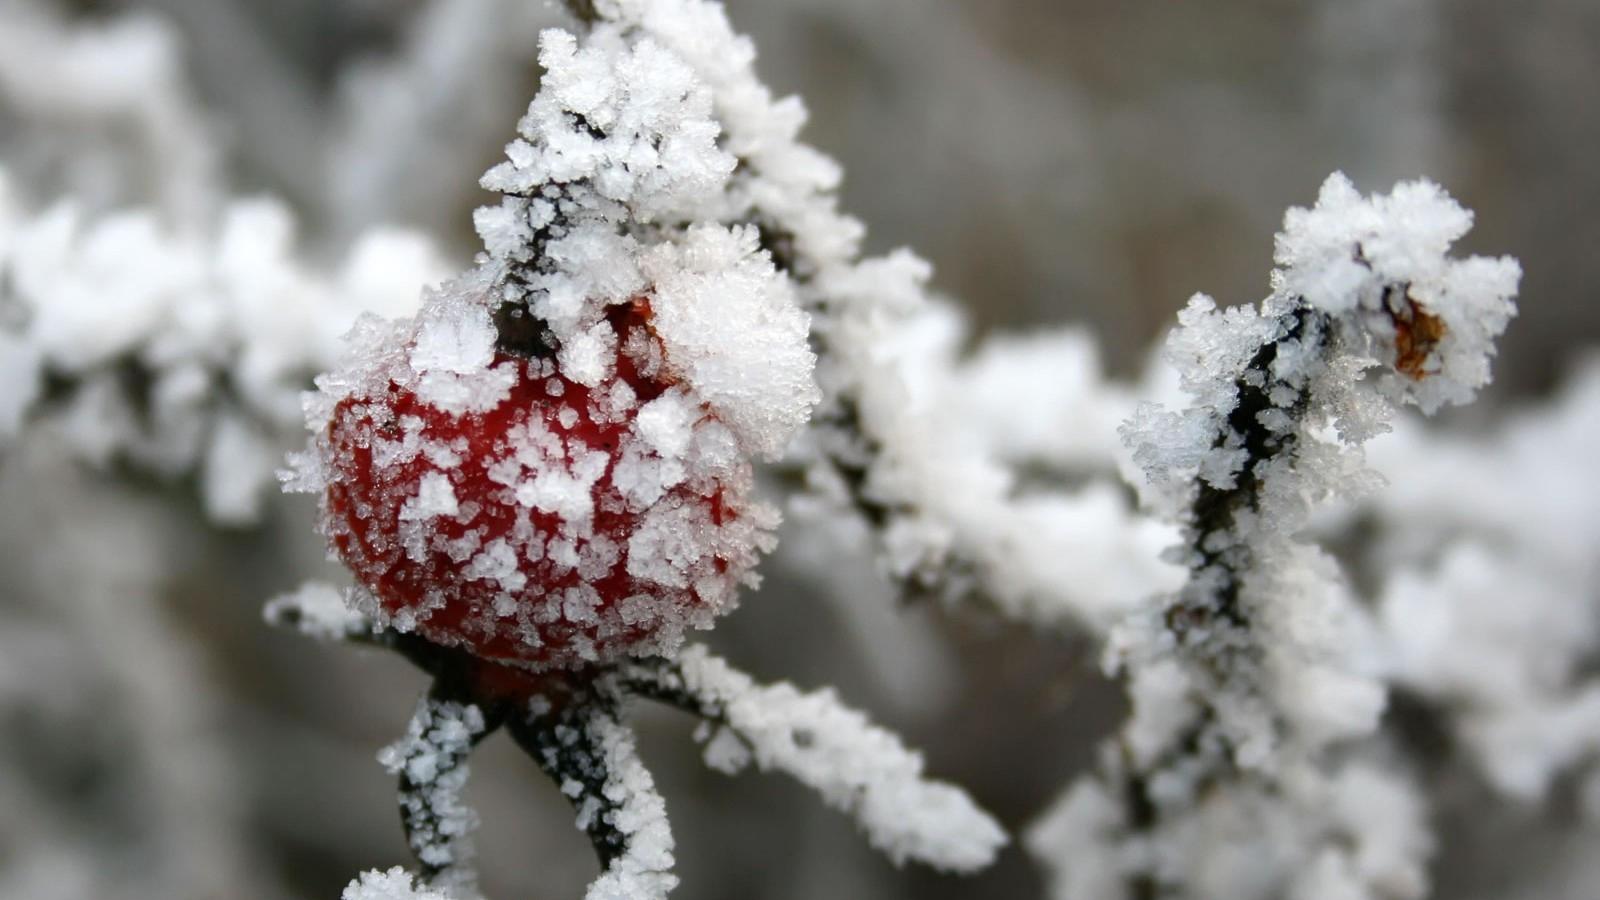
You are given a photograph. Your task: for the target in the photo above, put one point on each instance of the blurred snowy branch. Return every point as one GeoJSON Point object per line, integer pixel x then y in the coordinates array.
{"type": "Point", "coordinates": [103, 113]}
{"type": "Point", "coordinates": [1486, 605]}
{"type": "Point", "coordinates": [181, 350]}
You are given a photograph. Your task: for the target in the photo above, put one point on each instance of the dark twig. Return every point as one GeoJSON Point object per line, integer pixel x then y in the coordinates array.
{"type": "Point", "coordinates": [564, 743]}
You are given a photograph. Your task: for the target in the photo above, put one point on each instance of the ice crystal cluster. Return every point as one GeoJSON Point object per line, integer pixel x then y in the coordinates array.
{"type": "Point", "coordinates": [431, 764]}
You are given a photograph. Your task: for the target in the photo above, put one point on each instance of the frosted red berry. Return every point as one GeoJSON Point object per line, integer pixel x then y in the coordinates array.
{"type": "Point", "coordinates": [554, 528]}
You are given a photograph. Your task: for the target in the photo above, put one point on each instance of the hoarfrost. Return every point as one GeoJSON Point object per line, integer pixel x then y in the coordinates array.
{"type": "Point", "coordinates": [856, 766]}
{"type": "Point", "coordinates": [644, 870]}
{"type": "Point", "coordinates": [1246, 681]}
{"type": "Point", "coordinates": [431, 764]}
{"type": "Point", "coordinates": [224, 328]}
{"type": "Point", "coordinates": [731, 326]}
{"type": "Point", "coordinates": [394, 884]}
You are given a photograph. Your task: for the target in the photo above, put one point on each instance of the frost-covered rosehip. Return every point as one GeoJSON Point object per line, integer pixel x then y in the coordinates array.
{"type": "Point", "coordinates": [560, 525]}
{"type": "Point", "coordinates": [559, 491]}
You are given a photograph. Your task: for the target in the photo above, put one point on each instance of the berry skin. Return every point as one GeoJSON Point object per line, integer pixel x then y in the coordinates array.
{"type": "Point", "coordinates": [564, 525]}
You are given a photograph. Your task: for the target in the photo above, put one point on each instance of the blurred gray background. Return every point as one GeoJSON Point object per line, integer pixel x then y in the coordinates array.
{"type": "Point", "coordinates": [1086, 161]}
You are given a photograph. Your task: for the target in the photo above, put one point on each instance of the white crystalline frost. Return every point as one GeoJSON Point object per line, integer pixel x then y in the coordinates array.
{"type": "Point", "coordinates": [856, 766]}
{"type": "Point", "coordinates": [667, 423]}
{"type": "Point", "coordinates": [1339, 253]}
{"type": "Point", "coordinates": [435, 497]}
{"type": "Point", "coordinates": [733, 329]}
{"type": "Point", "coordinates": [586, 356]}
{"type": "Point", "coordinates": [644, 871]}
{"type": "Point", "coordinates": [394, 884]}
{"type": "Point", "coordinates": [432, 757]}
{"type": "Point", "coordinates": [319, 611]}
{"type": "Point", "coordinates": [451, 356]}
{"type": "Point", "coordinates": [649, 142]}
{"type": "Point", "coordinates": [223, 319]}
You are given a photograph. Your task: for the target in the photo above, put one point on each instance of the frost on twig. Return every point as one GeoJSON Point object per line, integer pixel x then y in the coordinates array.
{"type": "Point", "coordinates": [394, 884]}
{"type": "Point", "coordinates": [431, 764]}
{"type": "Point", "coordinates": [856, 766]}
{"type": "Point", "coordinates": [592, 757]}
{"type": "Point", "coordinates": [570, 724]}
{"type": "Point", "coordinates": [1249, 683]}
{"type": "Point", "coordinates": [319, 611]}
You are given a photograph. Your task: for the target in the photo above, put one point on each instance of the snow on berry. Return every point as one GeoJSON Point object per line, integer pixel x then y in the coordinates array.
{"type": "Point", "coordinates": [485, 498]}
{"type": "Point", "coordinates": [550, 464]}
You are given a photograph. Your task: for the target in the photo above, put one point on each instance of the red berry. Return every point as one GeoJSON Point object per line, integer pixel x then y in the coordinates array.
{"type": "Point", "coordinates": [561, 526]}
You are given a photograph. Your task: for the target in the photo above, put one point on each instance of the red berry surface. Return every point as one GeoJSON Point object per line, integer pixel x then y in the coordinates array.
{"type": "Point", "coordinates": [549, 530]}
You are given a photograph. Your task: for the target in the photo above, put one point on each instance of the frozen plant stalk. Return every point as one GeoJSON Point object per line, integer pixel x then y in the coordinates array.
{"type": "Point", "coordinates": [1236, 775]}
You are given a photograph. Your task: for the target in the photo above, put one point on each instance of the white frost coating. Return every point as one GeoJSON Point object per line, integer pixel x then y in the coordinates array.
{"type": "Point", "coordinates": [224, 324]}
{"type": "Point", "coordinates": [589, 356]}
{"type": "Point", "coordinates": [948, 497]}
{"type": "Point", "coordinates": [431, 760]}
{"type": "Point", "coordinates": [731, 327]}
{"type": "Point", "coordinates": [450, 358]}
{"type": "Point", "coordinates": [394, 884]}
{"type": "Point", "coordinates": [1341, 253]}
{"type": "Point", "coordinates": [621, 134]}
{"type": "Point", "coordinates": [650, 142]}
{"type": "Point", "coordinates": [1245, 680]}
{"type": "Point", "coordinates": [667, 424]}
{"type": "Point", "coordinates": [856, 766]}
{"type": "Point", "coordinates": [644, 870]}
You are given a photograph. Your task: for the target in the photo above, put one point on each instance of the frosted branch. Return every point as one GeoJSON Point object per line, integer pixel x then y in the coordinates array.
{"type": "Point", "coordinates": [177, 350]}
{"type": "Point", "coordinates": [593, 758]}
{"type": "Point", "coordinates": [1246, 680]}
{"type": "Point", "coordinates": [393, 884]}
{"type": "Point", "coordinates": [320, 611]}
{"type": "Point", "coordinates": [431, 764]}
{"type": "Point", "coordinates": [856, 766]}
